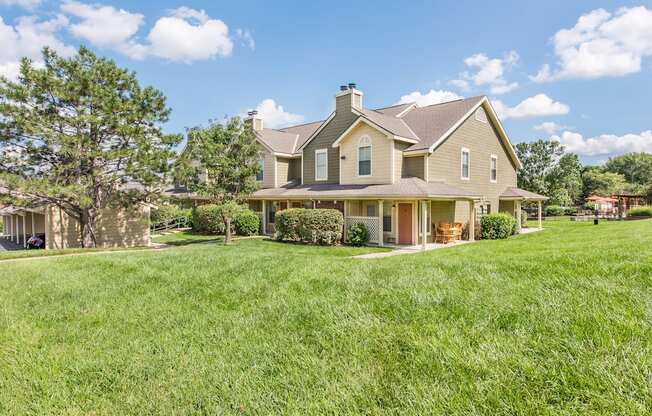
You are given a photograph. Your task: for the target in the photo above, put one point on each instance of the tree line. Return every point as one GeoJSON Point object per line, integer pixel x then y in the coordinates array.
{"type": "Point", "coordinates": [549, 170]}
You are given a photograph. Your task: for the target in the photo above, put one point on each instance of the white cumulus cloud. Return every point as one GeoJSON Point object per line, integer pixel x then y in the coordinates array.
{"type": "Point", "coordinates": [429, 98]}
{"type": "Point", "coordinates": [601, 44]}
{"type": "Point", "coordinates": [187, 35]}
{"type": "Point", "coordinates": [274, 116]}
{"type": "Point", "coordinates": [536, 106]}
{"type": "Point", "coordinates": [485, 71]}
{"type": "Point", "coordinates": [26, 39]}
{"type": "Point", "coordinates": [550, 127]}
{"type": "Point", "coordinates": [606, 144]}
{"type": "Point", "coordinates": [103, 26]}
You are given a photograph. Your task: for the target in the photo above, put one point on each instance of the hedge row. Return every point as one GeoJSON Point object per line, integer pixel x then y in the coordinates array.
{"type": "Point", "coordinates": [497, 226]}
{"type": "Point", "coordinates": [645, 211]}
{"type": "Point", "coordinates": [163, 214]}
{"type": "Point", "coordinates": [312, 226]}
{"type": "Point", "coordinates": [207, 219]}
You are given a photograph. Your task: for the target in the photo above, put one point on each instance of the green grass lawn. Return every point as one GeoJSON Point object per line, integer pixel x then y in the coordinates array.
{"type": "Point", "coordinates": [183, 238]}
{"type": "Point", "coordinates": [551, 323]}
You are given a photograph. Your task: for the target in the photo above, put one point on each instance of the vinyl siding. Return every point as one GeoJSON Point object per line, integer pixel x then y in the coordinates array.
{"type": "Point", "coordinates": [483, 141]}
{"type": "Point", "coordinates": [339, 123]}
{"type": "Point", "coordinates": [269, 180]}
{"type": "Point", "coordinates": [442, 211]}
{"type": "Point", "coordinates": [413, 167]}
{"type": "Point", "coordinates": [381, 157]}
{"type": "Point", "coordinates": [399, 147]}
{"type": "Point", "coordinates": [294, 171]}
{"type": "Point", "coordinates": [282, 171]}
{"type": "Point", "coordinates": [115, 228]}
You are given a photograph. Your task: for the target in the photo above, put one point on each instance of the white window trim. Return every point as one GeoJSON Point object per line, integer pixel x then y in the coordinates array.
{"type": "Point", "coordinates": [371, 160]}
{"type": "Point", "coordinates": [318, 152]}
{"type": "Point", "coordinates": [491, 159]}
{"type": "Point", "coordinates": [465, 150]}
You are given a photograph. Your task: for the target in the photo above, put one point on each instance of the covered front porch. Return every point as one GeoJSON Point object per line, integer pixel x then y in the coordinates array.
{"type": "Point", "coordinates": [21, 223]}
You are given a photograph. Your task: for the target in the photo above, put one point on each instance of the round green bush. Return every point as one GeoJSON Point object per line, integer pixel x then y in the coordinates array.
{"type": "Point", "coordinates": [358, 235]}
{"type": "Point", "coordinates": [554, 211]}
{"type": "Point", "coordinates": [246, 222]}
{"type": "Point", "coordinates": [287, 224]}
{"type": "Point", "coordinates": [207, 219]}
{"type": "Point", "coordinates": [165, 213]}
{"type": "Point", "coordinates": [497, 226]}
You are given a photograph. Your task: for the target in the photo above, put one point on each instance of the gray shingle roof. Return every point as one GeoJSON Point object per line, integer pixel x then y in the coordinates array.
{"type": "Point", "coordinates": [392, 124]}
{"type": "Point", "coordinates": [518, 193]}
{"type": "Point", "coordinates": [394, 110]}
{"type": "Point", "coordinates": [404, 188]}
{"type": "Point", "coordinates": [431, 122]}
{"type": "Point", "coordinates": [278, 141]}
{"type": "Point", "coordinates": [304, 131]}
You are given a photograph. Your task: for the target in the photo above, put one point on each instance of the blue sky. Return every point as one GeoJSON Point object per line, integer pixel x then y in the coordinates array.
{"type": "Point", "coordinates": [214, 59]}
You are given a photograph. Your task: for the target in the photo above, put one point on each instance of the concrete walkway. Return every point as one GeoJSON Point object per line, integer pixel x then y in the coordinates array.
{"type": "Point", "coordinates": [400, 250]}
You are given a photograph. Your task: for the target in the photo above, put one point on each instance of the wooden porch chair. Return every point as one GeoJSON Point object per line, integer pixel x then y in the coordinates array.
{"type": "Point", "coordinates": [445, 233]}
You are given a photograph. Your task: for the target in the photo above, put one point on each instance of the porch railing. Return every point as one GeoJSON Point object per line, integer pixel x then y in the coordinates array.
{"type": "Point", "coordinates": [372, 224]}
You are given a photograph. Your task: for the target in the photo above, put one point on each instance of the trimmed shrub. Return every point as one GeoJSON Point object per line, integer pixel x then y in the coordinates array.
{"type": "Point", "coordinates": [321, 226]}
{"type": "Point", "coordinates": [166, 213]}
{"type": "Point", "coordinates": [287, 224]}
{"type": "Point", "coordinates": [207, 219]}
{"type": "Point", "coordinates": [497, 226]}
{"type": "Point", "coordinates": [358, 235]}
{"type": "Point", "coordinates": [570, 211]}
{"type": "Point", "coordinates": [645, 211]}
{"type": "Point", "coordinates": [554, 211]}
{"type": "Point", "coordinates": [246, 222]}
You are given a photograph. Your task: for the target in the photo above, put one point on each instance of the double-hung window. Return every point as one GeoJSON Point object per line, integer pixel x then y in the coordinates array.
{"type": "Point", "coordinates": [493, 169]}
{"type": "Point", "coordinates": [364, 156]}
{"type": "Point", "coordinates": [261, 166]}
{"type": "Point", "coordinates": [466, 164]}
{"type": "Point", "coordinates": [321, 164]}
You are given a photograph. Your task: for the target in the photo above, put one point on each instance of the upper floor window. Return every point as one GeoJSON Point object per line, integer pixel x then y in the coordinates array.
{"type": "Point", "coordinates": [466, 164]}
{"type": "Point", "coordinates": [364, 156]}
{"type": "Point", "coordinates": [481, 115]}
{"type": "Point", "coordinates": [493, 168]}
{"type": "Point", "coordinates": [321, 164]}
{"type": "Point", "coordinates": [261, 166]}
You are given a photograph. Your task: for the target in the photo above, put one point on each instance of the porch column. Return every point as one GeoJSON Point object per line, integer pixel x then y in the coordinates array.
{"type": "Point", "coordinates": [17, 229]}
{"type": "Point", "coordinates": [24, 233]}
{"type": "Point", "coordinates": [344, 214]}
{"type": "Point", "coordinates": [539, 213]}
{"type": "Point", "coordinates": [380, 223]}
{"type": "Point", "coordinates": [264, 218]}
{"type": "Point", "coordinates": [517, 213]}
{"type": "Point", "coordinates": [424, 225]}
{"type": "Point", "coordinates": [471, 220]}
{"type": "Point", "coordinates": [33, 232]}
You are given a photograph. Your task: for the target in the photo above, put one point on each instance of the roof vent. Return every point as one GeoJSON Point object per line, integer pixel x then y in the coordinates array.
{"type": "Point", "coordinates": [352, 85]}
{"type": "Point", "coordinates": [343, 88]}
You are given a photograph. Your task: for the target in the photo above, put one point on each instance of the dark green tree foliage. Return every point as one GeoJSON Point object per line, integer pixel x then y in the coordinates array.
{"type": "Point", "coordinates": [595, 181]}
{"type": "Point", "coordinates": [636, 168]}
{"type": "Point", "coordinates": [82, 134]}
{"type": "Point", "coordinates": [565, 180]}
{"type": "Point", "coordinates": [220, 163]}
{"type": "Point", "coordinates": [538, 159]}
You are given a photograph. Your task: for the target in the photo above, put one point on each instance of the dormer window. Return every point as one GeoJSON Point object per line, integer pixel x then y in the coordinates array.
{"type": "Point", "coordinates": [364, 156]}
{"type": "Point", "coordinates": [261, 166]}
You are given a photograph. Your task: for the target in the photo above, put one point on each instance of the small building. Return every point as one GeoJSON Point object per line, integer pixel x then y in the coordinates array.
{"type": "Point", "coordinates": [116, 227]}
{"type": "Point", "coordinates": [626, 201]}
{"type": "Point", "coordinates": [604, 204]}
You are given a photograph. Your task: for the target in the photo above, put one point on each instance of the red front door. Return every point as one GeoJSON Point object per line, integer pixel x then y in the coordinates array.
{"type": "Point", "coordinates": [405, 223]}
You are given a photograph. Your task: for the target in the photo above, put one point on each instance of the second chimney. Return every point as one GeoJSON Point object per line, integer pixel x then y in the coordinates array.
{"type": "Point", "coordinates": [254, 119]}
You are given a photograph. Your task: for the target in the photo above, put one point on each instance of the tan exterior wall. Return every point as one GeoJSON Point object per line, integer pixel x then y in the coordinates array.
{"type": "Point", "coordinates": [413, 167]}
{"type": "Point", "coordinates": [399, 147]}
{"type": "Point", "coordinates": [482, 141]}
{"type": "Point", "coordinates": [282, 169]}
{"type": "Point", "coordinates": [115, 228]}
{"type": "Point", "coordinates": [381, 157]}
{"type": "Point", "coordinates": [269, 174]}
